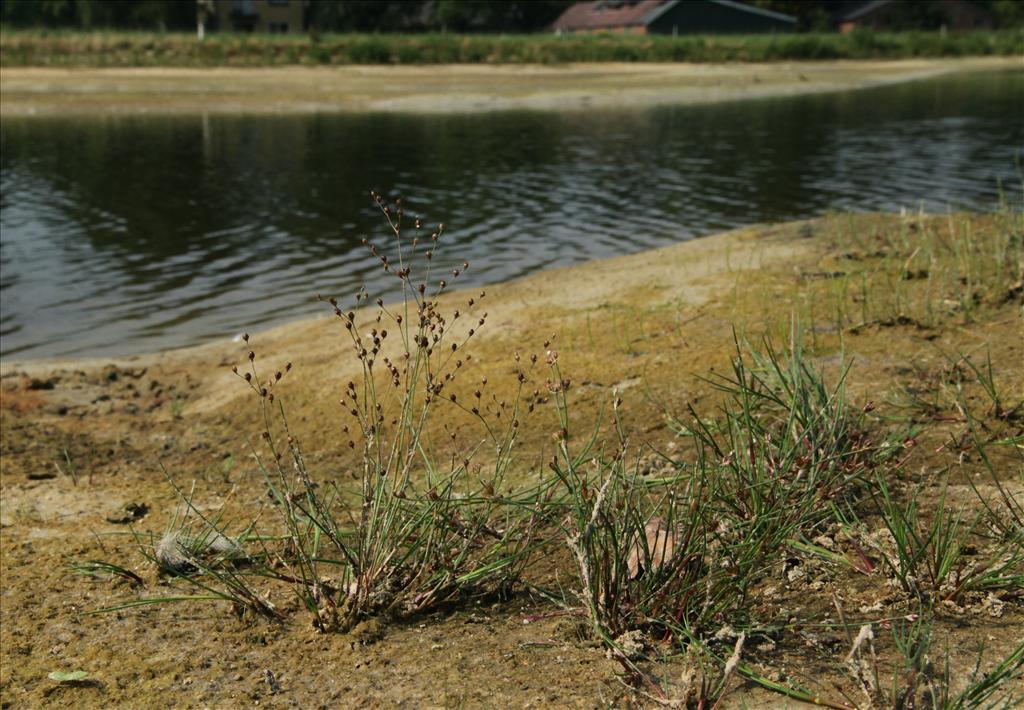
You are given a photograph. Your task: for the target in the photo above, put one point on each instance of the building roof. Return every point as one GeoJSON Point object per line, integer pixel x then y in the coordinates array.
{"type": "Point", "coordinates": [856, 10]}
{"type": "Point", "coordinates": [740, 6]}
{"type": "Point", "coordinates": [603, 14]}
{"type": "Point", "coordinates": [606, 14]}
{"type": "Point", "coordinates": [851, 11]}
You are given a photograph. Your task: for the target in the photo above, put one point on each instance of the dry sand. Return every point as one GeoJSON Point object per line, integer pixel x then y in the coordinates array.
{"type": "Point", "coordinates": [445, 88]}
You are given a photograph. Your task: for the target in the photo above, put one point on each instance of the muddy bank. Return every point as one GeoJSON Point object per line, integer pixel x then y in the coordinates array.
{"type": "Point", "coordinates": [444, 88]}
{"type": "Point", "coordinates": [85, 445]}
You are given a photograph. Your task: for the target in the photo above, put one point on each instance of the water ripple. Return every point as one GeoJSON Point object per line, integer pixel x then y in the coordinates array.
{"type": "Point", "coordinates": [122, 235]}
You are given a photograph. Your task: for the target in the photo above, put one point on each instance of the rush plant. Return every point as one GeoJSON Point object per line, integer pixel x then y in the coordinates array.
{"type": "Point", "coordinates": [413, 531]}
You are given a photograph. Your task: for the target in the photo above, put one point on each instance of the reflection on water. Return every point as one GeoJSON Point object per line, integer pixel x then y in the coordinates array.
{"type": "Point", "coordinates": [121, 235]}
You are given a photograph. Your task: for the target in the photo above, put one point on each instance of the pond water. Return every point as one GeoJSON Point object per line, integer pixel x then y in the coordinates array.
{"type": "Point", "coordinates": [121, 235]}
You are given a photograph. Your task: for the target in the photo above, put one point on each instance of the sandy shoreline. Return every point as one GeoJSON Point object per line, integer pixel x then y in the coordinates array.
{"type": "Point", "coordinates": [442, 89]}
{"type": "Point", "coordinates": [86, 446]}
{"type": "Point", "coordinates": [575, 288]}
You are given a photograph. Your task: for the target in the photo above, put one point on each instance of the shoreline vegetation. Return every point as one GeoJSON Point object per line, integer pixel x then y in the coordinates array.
{"type": "Point", "coordinates": [836, 518]}
{"type": "Point", "coordinates": [140, 49]}
{"type": "Point", "coordinates": [67, 90]}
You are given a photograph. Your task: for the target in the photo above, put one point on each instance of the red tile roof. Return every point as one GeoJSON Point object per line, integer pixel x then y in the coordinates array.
{"type": "Point", "coordinates": [605, 14]}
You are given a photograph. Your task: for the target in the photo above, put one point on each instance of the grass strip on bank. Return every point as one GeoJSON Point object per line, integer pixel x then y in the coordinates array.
{"type": "Point", "coordinates": [42, 48]}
